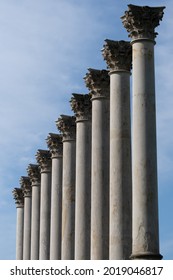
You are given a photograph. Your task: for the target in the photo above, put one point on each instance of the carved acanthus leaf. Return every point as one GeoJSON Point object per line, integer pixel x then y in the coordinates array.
{"type": "Point", "coordinates": [54, 143]}
{"type": "Point", "coordinates": [67, 126]}
{"type": "Point", "coordinates": [26, 185]}
{"type": "Point", "coordinates": [18, 197]}
{"type": "Point", "coordinates": [141, 22]}
{"type": "Point", "coordinates": [118, 54]}
{"type": "Point", "coordinates": [33, 171]}
{"type": "Point", "coordinates": [43, 158]}
{"type": "Point", "coordinates": [81, 106]}
{"type": "Point", "coordinates": [98, 82]}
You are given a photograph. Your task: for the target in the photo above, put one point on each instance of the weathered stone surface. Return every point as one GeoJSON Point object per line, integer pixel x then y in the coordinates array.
{"type": "Point", "coordinates": [67, 126]}
{"type": "Point", "coordinates": [120, 216]}
{"type": "Point", "coordinates": [26, 186]}
{"type": "Point", "coordinates": [18, 197]}
{"type": "Point", "coordinates": [141, 21]}
{"type": "Point", "coordinates": [35, 178]}
{"type": "Point", "coordinates": [81, 106]}
{"type": "Point", "coordinates": [118, 55]}
{"type": "Point", "coordinates": [44, 160]}
{"type": "Point", "coordinates": [34, 173]}
{"type": "Point", "coordinates": [97, 81]}
{"type": "Point", "coordinates": [19, 200]}
{"type": "Point", "coordinates": [27, 191]}
{"type": "Point", "coordinates": [54, 142]}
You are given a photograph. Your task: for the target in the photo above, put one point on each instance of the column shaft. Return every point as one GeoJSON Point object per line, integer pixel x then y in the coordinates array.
{"type": "Point", "coordinates": [34, 175]}
{"type": "Point", "coordinates": [45, 216]}
{"type": "Point", "coordinates": [81, 105]}
{"type": "Point", "coordinates": [141, 23]}
{"type": "Point", "coordinates": [19, 233]}
{"type": "Point", "coordinates": [35, 223]}
{"type": "Point", "coordinates": [66, 124]}
{"type": "Point", "coordinates": [27, 191]}
{"type": "Point", "coordinates": [68, 200]}
{"type": "Point", "coordinates": [98, 82]}
{"type": "Point", "coordinates": [145, 199]}
{"type": "Point", "coordinates": [118, 55]}
{"type": "Point", "coordinates": [83, 191]}
{"type": "Point", "coordinates": [100, 179]}
{"type": "Point", "coordinates": [56, 209]}
{"type": "Point", "coordinates": [19, 201]}
{"type": "Point", "coordinates": [27, 229]}
{"type": "Point", "coordinates": [54, 142]}
{"type": "Point", "coordinates": [44, 160]}
{"type": "Point", "coordinates": [120, 167]}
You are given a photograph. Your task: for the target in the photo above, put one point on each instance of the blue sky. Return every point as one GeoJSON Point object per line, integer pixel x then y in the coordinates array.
{"type": "Point", "coordinates": [46, 47]}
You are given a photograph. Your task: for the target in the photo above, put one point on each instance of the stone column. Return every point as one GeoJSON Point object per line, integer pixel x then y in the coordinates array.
{"type": "Point", "coordinates": [54, 142]}
{"type": "Point", "coordinates": [98, 83]}
{"type": "Point", "coordinates": [66, 124]}
{"type": "Point", "coordinates": [81, 105]}
{"type": "Point", "coordinates": [27, 191]}
{"type": "Point", "coordinates": [141, 22]}
{"type": "Point", "coordinates": [19, 200]}
{"type": "Point", "coordinates": [34, 175]}
{"type": "Point", "coordinates": [44, 160]}
{"type": "Point", "coordinates": [118, 55]}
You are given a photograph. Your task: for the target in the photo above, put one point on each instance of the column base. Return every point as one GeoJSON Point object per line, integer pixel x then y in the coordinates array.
{"type": "Point", "coordinates": [146, 256]}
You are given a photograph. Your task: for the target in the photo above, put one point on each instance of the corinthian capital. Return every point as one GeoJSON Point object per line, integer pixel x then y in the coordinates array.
{"type": "Point", "coordinates": [34, 174]}
{"type": "Point", "coordinates": [98, 82]}
{"type": "Point", "coordinates": [54, 143]}
{"type": "Point", "coordinates": [141, 22]}
{"type": "Point", "coordinates": [81, 106]}
{"type": "Point", "coordinates": [26, 186]}
{"type": "Point", "coordinates": [118, 54]}
{"type": "Point", "coordinates": [67, 126]}
{"type": "Point", "coordinates": [18, 197]}
{"type": "Point", "coordinates": [43, 158]}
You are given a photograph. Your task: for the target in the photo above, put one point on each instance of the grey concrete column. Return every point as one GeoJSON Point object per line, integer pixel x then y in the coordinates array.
{"type": "Point", "coordinates": [118, 55]}
{"type": "Point", "coordinates": [141, 22]}
{"type": "Point", "coordinates": [54, 142]}
{"type": "Point", "coordinates": [66, 124]}
{"type": "Point", "coordinates": [98, 82]}
{"type": "Point", "coordinates": [19, 201]}
{"type": "Point", "coordinates": [27, 191]}
{"type": "Point", "coordinates": [34, 175]}
{"type": "Point", "coordinates": [44, 160]}
{"type": "Point", "coordinates": [81, 105]}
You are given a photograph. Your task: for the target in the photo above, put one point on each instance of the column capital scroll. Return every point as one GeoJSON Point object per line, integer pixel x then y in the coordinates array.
{"type": "Point", "coordinates": [26, 186]}
{"type": "Point", "coordinates": [67, 126]}
{"type": "Point", "coordinates": [98, 82]}
{"type": "Point", "coordinates": [33, 171]}
{"type": "Point", "coordinates": [81, 106]}
{"type": "Point", "coordinates": [54, 143]}
{"type": "Point", "coordinates": [118, 55]}
{"type": "Point", "coordinates": [141, 21]}
{"type": "Point", "coordinates": [18, 197]}
{"type": "Point", "coordinates": [43, 158]}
